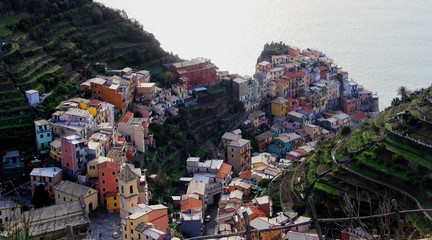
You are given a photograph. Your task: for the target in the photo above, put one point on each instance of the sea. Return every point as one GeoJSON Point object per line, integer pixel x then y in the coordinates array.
{"type": "Point", "coordinates": [383, 44]}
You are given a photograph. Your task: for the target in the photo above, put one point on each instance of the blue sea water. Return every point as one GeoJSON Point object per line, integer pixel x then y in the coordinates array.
{"type": "Point", "coordinates": [383, 44]}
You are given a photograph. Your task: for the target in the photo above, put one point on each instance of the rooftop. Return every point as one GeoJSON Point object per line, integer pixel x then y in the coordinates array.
{"type": "Point", "coordinates": [45, 172]}
{"type": "Point", "coordinates": [191, 62]}
{"type": "Point", "coordinates": [56, 143]}
{"type": "Point", "coordinates": [78, 112]}
{"type": "Point", "coordinates": [256, 114]}
{"type": "Point", "coordinates": [280, 100]}
{"type": "Point", "coordinates": [31, 91]}
{"type": "Point", "coordinates": [239, 143]}
{"type": "Point", "coordinates": [57, 217]}
{"type": "Point", "coordinates": [265, 135]}
{"type": "Point", "coordinates": [74, 189]}
{"type": "Point", "coordinates": [224, 170]}
{"type": "Point", "coordinates": [231, 136]}
{"type": "Point", "coordinates": [41, 122]}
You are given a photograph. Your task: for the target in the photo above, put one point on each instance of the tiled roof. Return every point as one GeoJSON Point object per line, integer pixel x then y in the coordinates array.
{"type": "Point", "coordinates": [239, 143]}
{"type": "Point", "coordinates": [126, 116]}
{"type": "Point", "coordinates": [191, 204]}
{"type": "Point", "coordinates": [224, 170]}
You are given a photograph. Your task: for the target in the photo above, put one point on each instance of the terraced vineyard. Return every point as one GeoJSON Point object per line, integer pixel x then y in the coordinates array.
{"type": "Point", "coordinates": [374, 165]}
{"type": "Point", "coordinates": [50, 47]}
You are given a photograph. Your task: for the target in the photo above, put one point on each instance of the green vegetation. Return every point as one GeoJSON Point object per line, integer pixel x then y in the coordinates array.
{"type": "Point", "coordinates": [48, 42]}
{"type": "Point", "coordinates": [373, 162]}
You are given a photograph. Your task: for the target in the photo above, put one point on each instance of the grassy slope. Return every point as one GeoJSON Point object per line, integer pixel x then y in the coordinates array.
{"type": "Point", "coordinates": [44, 50]}
{"type": "Point", "coordinates": [390, 160]}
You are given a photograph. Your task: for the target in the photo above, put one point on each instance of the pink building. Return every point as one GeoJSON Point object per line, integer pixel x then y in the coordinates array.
{"type": "Point", "coordinates": [263, 66]}
{"type": "Point", "coordinates": [48, 177]}
{"type": "Point", "coordinates": [108, 180]}
{"type": "Point", "coordinates": [74, 154]}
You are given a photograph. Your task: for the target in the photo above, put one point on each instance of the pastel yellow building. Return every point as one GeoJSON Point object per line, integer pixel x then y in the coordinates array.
{"type": "Point", "coordinates": [279, 106]}
{"type": "Point", "coordinates": [67, 191]}
{"type": "Point", "coordinates": [55, 150]}
{"type": "Point", "coordinates": [92, 170]}
{"type": "Point", "coordinates": [140, 214]}
{"type": "Point", "coordinates": [113, 202]}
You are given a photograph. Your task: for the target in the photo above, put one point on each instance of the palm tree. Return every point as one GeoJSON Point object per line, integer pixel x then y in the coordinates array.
{"type": "Point", "coordinates": [402, 91]}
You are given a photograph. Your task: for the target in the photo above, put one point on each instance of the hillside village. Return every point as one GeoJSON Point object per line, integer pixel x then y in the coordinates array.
{"type": "Point", "coordinates": [294, 101]}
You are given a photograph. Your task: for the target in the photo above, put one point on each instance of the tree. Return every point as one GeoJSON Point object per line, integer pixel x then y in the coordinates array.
{"type": "Point", "coordinates": [346, 130]}
{"type": "Point", "coordinates": [402, 91]}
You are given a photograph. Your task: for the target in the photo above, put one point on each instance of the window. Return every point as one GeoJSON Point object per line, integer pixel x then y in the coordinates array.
{"type": "Point", "coordinates": [131, 189]}
{"type": "Point", "coordinates": [116, 180]}
{"type": "Point", "coordinates": [115, 198]}
{"type": "Point", "coordinates": [48, 134]}
{"type": "Point", "coordinates": [0, 213]}
{"type": "Point", "coordinates": [122, 189]}
{"type": "Point", "coordinates": [34, 178]}
{"type": "Point", "coordinates": [131, 223]}
{"type": "Point", "coordinates": [131, 231]}
{"type": "Point", "coordinates": [113, 173]}
{"type": "Point", "coordinates": [117, 188]}
{"type": "Point", "coordinates": [103, 189]}
{"type": "Point", "coordinates": [41, 136]}
{"type": "Point", "coordinates": [50, 179]}
{"type": "Point", "coordinates": [103, 181]}
{"type": "Point", "coordinates": [64, 199]}
{"type": "Point", "coordinates": [58, 196]}
{"type": "Point", "coordinates": [103, 174]}
{"type": "Point", "coordinates": [115, 204]}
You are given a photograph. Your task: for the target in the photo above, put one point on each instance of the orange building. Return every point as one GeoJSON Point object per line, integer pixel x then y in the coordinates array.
{"type": "Point", "coordinates": [108, 173]}
{"type": "Point", "coordinates": [113, 90]}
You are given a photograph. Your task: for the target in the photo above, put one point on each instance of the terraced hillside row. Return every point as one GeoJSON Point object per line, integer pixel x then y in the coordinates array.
{"type": "Point", "coordinates": [50, 46]}
{"type": "Point", "coordinates": [361, 173]}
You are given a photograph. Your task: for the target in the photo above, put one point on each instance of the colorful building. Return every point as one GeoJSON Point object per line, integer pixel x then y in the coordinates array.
{"type": "Point", "coordinates": [74, 154]}
{"type": "Point", "coordinates": [143, 214]}
{"type": "Point", "coordinates": [66, 191]}
{"type": "Point", "coordinates": [114, 90]}
{"type": "Point", "coordinates": [264, 139]}
{"type": "Point", "coordinates": [134, 129]}
{"type": "Point", "coordinates": [239, 154]}
{"type": "Point", "coordinates": [191, 216]}
{"type": "Point", "coordinates": [133, 188]}
{"type": "Point", "coordinates": [284, 143]}
{"type": "Point", "coordinates": [279, 106]}
{"type": "Point", "coordinates": [258, 118]}
{"type": "Point", "coordinates": [48, 177]}
{"type": "Point", "coordinates": [55, 150]}
{"type": "Point", "coordinates": [43, 135]}
{"type": "Point", "coordinates": [108, 185]}
{"type": "Point", "coordinates": [195, 72]}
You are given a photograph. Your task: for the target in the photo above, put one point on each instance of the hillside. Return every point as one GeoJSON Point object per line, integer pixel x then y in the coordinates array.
{"type": "Point", "coordinates": [50, 46]}
{"type": "Point", "coordinates": [382, 166]}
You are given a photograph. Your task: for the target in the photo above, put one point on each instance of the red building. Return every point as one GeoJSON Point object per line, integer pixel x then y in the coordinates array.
{"type": "Point", "coordinates": [107, 176]}
{"type": "Point", "coordinates": [195, 72]}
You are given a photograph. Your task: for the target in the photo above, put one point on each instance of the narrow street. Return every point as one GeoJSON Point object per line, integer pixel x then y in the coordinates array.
{"type": "Point", "coordinates": [210, 228]}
